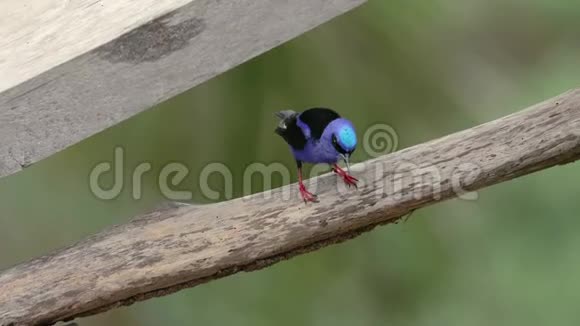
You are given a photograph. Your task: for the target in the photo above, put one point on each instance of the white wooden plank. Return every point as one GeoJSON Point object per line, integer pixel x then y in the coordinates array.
{"type": "Point", "coordinates": [71, 68]}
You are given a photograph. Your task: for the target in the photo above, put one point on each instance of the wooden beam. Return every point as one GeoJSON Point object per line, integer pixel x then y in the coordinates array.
{"type": "Point", "coordinates": [182, 246]}
{"type": "Point", "coordinates": [69, 69]}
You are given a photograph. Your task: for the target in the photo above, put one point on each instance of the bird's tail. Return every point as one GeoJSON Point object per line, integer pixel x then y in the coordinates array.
{"type": "Point", "coordinates": [285, 114]}
{"type": "Point", "coordinates": [285, 117]}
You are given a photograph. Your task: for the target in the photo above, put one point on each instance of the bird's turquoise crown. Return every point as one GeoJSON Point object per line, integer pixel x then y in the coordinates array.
{"type": "Point", "coordinates": [347, 137]}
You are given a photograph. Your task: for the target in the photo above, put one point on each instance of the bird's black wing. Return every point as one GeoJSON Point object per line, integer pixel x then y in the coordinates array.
{"type": "Point", "coordinates": [289, 130]}
{"type": "Point", "coordinates": [317, 119]}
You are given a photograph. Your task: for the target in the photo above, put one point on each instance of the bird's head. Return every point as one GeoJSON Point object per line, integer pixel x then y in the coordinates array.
{"type": "Point", "coordinates": [343, 138]}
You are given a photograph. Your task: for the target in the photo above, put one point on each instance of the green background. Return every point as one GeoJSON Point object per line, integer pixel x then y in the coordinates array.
{"type": "Point", "coordinates": [427, 68]}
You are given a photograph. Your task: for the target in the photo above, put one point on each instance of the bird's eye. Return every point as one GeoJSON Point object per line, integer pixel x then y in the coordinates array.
{"type": "Point", "coordinates": [337, 145]}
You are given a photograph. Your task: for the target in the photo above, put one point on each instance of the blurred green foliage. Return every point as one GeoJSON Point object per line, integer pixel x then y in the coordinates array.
{"type": "Point", "coordinates": [428, 68]}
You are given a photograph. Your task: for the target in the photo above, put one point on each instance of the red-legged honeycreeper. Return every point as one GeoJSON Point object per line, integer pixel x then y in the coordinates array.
{"type": "Point", "coordinates": [318, 135]}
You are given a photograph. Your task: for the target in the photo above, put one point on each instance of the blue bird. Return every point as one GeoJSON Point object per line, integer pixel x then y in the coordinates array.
{"type": "Point", "coordinates": [318, 135]}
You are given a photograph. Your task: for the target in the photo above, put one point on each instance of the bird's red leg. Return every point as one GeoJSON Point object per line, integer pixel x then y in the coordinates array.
{"type": "Point", "coordinates": [307, 196]}
{"type": "Point", "coordinates": [347, 178]}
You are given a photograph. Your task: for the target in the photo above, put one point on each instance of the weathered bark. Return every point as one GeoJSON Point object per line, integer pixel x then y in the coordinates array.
{"type": "Point", "coordinates": [180, 246]}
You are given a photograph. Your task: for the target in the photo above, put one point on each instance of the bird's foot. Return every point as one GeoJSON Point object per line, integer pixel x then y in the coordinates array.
{"type": "Point", "coordinates": [307, 196]}
{"type": "Point", "coordinates": [348, 179]}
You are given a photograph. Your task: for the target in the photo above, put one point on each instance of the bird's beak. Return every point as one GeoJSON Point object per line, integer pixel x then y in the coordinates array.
{"type": "Point", "coordinates": [346, 157]}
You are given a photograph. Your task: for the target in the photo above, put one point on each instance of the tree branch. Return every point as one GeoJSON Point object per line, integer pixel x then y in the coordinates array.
{"type": "Point", "coordinates": [182, 246]}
